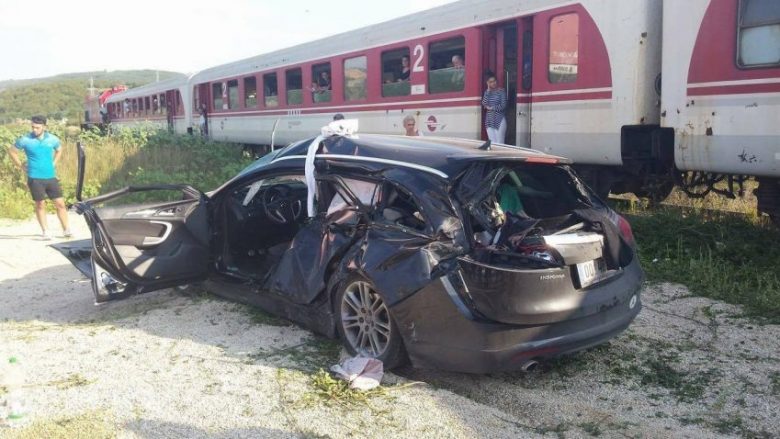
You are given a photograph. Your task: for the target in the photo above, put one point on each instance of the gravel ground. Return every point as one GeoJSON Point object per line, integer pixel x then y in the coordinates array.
{"type": "Point", "coordinates": [166, 364]}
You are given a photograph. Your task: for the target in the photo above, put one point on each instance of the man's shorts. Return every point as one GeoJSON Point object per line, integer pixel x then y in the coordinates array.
{"type": "Point", "coordinates": [42, 188]}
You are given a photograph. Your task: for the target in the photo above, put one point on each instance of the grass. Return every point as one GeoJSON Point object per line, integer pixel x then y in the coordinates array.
{"type": "Point", "coordinates": [334, 391]}
{"type": "Point", "coordinates": [260, 317]}
{"type": "Point", "coordinates": [95, 425]}
{"type": "Point", "coordinates": [127, 157]}
{"type": "Point", "coordinates": [73, 380]}
{"type": "Point", "coordinates": [722, 257]}
{"type": "Point", "coordinates": [308, 356]}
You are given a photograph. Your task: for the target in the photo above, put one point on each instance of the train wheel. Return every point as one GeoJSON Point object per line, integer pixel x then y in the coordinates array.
{"type": "Point", "coordinates": [695, 184]}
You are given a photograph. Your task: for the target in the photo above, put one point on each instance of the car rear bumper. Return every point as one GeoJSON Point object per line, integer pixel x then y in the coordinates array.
{"type": "Point", "coordinates": [438, 331]}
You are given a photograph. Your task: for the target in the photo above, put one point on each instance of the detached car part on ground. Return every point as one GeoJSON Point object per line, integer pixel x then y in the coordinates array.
{"type": "Point", "coordinates": [445, 252]}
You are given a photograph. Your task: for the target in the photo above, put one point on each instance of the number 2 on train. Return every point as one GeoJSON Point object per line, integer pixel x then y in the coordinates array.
{"type": "Point", "coordinates": [419, 52]}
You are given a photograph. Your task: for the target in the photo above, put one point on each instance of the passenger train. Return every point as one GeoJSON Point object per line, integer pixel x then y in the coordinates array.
{"type": "Point", "coordinates": [641, 94]}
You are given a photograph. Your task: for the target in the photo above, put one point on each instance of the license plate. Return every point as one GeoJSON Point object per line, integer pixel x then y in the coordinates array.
{"type": "Point", "coordinates": [590, 272]}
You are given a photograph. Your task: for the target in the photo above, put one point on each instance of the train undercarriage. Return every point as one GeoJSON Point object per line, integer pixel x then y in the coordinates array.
{"type": "Point", "coordinates": [649, 172]}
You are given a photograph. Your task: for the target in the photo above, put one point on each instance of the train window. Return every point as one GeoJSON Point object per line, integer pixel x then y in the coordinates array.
{"type": "Point", "coordinates": [155, 104]}
{"type": "Point", "coordinates": [270, 90]}
{"type": "Point", "coordinates": [321, 83]}
{"type": "Point", "coordinates": [250, 92]}
{"type": "Point", "coordinates": [564, 48]}
{"type": "Point", "coordinates": [232, 94]}
{"type": "Point", "coordinates": [135, 105]}
{"type": "Point", "coordinates": [163, 107]}
{"type": "Point", "coordinates": [396, 68]}
{"type": "Point", "coordinates": [179, 104]}
{"type": "Point", "coordinates": [216, 96]}
{"type": "Point", "coordinates": [355, 73]}
{"type": "Point", "coordinates": [446, 65]}
{"type": "Point", "coordinates": [758, 33]}
{"type": "Point", "coordinates": [147, 105]}
{"type": "Point", "coordinates": [293, 79]}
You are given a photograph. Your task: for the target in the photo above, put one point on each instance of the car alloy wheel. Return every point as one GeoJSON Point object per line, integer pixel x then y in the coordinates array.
{"type": "Point", "coordinates": [365, 320]}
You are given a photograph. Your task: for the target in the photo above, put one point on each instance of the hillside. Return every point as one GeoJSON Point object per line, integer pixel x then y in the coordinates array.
{"type": "Point", "coordinates": [62, 96]}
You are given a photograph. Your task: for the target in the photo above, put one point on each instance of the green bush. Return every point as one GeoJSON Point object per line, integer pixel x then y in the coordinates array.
{"type": "Point", "coordinates": [123, 158]}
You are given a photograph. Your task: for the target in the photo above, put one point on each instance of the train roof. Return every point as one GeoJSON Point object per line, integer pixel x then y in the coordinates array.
{"type": "Point", "coordinates": [155, 87]}
{"type": "Point", "coordinates": [441, 19]}
{"type": "Point", "coordinates": [445, 157]}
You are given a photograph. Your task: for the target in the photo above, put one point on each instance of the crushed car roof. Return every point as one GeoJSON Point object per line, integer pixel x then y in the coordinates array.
{"type": "Point", "coordinates": [446, 155]}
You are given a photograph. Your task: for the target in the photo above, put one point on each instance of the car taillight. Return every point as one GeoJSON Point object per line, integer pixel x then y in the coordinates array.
{"type": "Point", "coordinates": [625, 230]}
{"type": "Point", "coordinates": [624, 227]}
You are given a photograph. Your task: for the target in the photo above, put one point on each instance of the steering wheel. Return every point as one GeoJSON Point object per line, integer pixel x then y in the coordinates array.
{"type": "Point", "coordinates": [281, 205]}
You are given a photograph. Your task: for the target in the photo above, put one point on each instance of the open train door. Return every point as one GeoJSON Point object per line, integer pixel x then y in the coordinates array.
{"type": "Point", "coordinates": [203, 102]}
{"type": "Point", "coordinates": [501, 58]}
{"type": "Point", "coordinates": [170, 108]}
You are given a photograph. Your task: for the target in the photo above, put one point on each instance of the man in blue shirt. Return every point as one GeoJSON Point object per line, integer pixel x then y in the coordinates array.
{"type": "Point", "coordinates": [43, 152]}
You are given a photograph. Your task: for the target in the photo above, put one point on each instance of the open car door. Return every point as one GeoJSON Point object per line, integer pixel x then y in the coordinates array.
{"type": "Point", "coordinates": [141, 248]}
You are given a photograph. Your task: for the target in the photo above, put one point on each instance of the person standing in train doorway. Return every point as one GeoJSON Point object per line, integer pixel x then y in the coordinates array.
{"type": "Point", "coordinates": [43, 152]}
{"type": "Point", "coordinates": [203, 121]}
{"type": "Point", "coordinates": [494, 103]}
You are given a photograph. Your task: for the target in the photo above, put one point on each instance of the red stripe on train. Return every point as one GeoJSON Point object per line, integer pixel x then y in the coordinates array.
{"type": "Point", "coordinates": [734, 89]}
{"type": "Point", "coordinates": [569, 97]}
{"type": "Point", "coordinates": [292, 111]}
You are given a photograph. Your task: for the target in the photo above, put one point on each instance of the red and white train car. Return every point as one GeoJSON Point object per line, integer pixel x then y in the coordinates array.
{"type": "Point", "coordinates": [721, 93]}
{"type": "Point", "coordinates": [578, 73]}
{"type": "Point", "coordinates": [159, 104]}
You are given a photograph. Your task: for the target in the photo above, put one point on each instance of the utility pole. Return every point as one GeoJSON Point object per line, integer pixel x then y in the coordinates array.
{"type": "Point", "coordinates": [92, 87]}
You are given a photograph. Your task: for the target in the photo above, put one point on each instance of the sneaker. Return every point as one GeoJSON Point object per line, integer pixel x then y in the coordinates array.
{"type": "Point", "coordinates": [45, 236]}
{"type": "Point", "coordinates": [67, 234]}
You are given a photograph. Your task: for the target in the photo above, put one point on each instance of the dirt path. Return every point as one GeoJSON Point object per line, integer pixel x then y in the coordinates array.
{"type": "Point", "coordinates": [166, 364]}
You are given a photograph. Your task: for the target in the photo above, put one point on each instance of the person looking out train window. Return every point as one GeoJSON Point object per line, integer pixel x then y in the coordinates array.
{"type": "Point", "coordinates": [323, 81]}
{"type": "Point", "coordinates": [457, 62]}
{"type": "Point", "coordinates": [405, 70]}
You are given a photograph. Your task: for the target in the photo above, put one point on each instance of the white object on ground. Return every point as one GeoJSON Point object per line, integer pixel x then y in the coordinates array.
{"type": "Point", "coordinates": [362, 373]}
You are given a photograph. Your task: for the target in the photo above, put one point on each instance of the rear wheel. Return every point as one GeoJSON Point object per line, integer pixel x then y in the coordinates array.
{"type": "Point", "coordinates": [365, 324]}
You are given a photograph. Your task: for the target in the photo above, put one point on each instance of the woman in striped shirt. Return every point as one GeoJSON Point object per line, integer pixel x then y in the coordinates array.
{"type": "Point", "coordinates": [494, 102]}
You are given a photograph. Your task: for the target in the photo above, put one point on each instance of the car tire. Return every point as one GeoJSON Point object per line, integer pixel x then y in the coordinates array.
{"type": "Point", "coordinates": [365, 325]}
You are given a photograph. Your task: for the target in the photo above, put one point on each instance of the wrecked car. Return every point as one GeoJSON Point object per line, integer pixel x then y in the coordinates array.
{"type": "Point", "coordinates": [446, 253]}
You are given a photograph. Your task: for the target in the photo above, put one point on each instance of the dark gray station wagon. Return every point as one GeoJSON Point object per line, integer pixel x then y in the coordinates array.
{"type": "Point", "coordinates": [447, 253]}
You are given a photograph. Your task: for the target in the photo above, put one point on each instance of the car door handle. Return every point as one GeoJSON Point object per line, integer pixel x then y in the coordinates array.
{"type": "Point", "coordinates": [155, 240]}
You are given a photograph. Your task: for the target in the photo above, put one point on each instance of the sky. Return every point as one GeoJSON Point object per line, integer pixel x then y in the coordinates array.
{"type": "Point", "coordinates": [50, 37]}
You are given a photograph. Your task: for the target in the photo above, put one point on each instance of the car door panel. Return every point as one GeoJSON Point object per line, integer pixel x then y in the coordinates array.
{"type": "Point", "coordinates": [142, 248]}
{"type": "Point", "coordinates": [301, 273]}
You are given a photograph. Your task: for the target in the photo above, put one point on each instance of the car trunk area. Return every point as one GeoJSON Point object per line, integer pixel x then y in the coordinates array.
{"type": "Point", "coordinates": [543, 249]}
